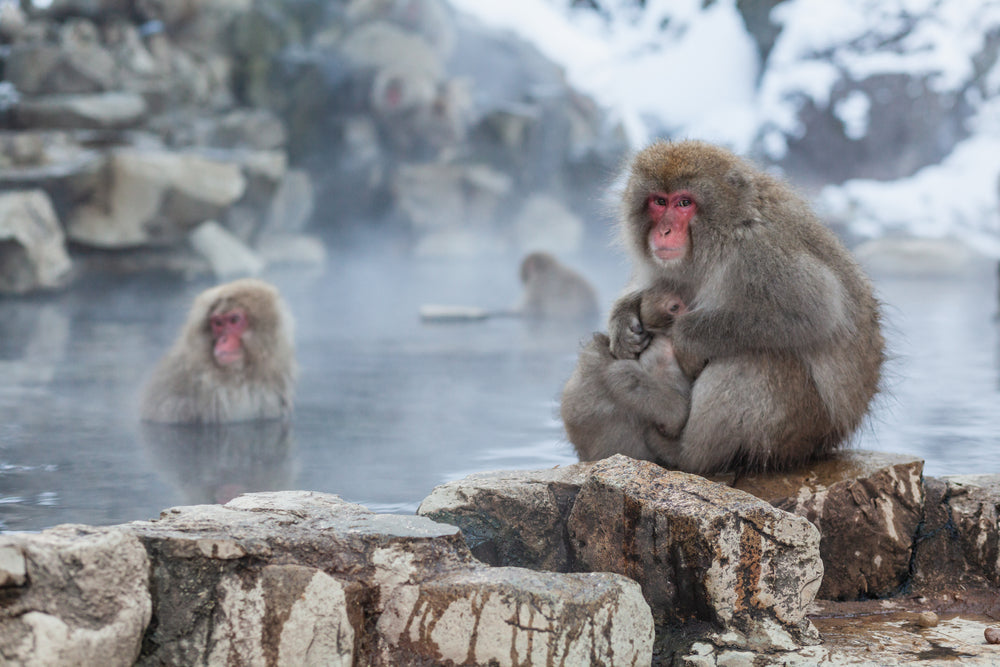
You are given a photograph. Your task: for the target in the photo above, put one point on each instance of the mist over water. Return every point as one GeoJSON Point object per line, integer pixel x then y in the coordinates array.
{"type": "Point", "coordinates": [389, 406]}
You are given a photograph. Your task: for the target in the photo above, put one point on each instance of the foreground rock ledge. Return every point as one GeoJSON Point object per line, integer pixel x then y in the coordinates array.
{"type": "Point", "coordinates": [701, 551]}
{"type": "Point", "coordinates": [306, 578]}
{"type": "Point", "coordinates": [297, 578]}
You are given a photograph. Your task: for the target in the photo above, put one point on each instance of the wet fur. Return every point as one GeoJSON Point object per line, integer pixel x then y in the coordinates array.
{"type": "Point", "coordinates": [189, 387]}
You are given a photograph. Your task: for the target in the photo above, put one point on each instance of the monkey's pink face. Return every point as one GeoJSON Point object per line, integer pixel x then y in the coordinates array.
{"type": "Point", "coordinates": [670, 217]}
{"type": "Point", "coordinates": [227, 330]}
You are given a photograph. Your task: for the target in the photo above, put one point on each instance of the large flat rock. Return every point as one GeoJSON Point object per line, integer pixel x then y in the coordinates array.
{"type": "Point", "coordinates": [867, 506]}
{"type": "Point", "coordinates": [700, 550]}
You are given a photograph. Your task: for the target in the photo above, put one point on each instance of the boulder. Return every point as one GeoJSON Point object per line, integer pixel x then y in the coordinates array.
{"type": "Point", "coordinates": [512, 616]}
{"type": "Point", "coordinates": [32, 246]}
{"type": "Point", "coordinates": [701, 551]}
{"type": "Point", "coordinates": [226, 255]}
{"type": "Point", "coordinates": [867, 506]}
{"type": "Point", "coordinates": [292, 614]}
{"type": "Point", "coordinates": [512, 517]}
{"type": "Point", "coordinates": [958, 543]}
{"type": "Point", "coordinates": [306, 578]}
{"type": "Point", "coordinates": [102, 111]}
{"type": "Point", "coordinates": [73, 595]}
{"type": "Point", "coordinates": [235, 582]}
{"type": "Point", "coordinates": [75, 64]}
{"type": "Point", "coordinates": [154, 196]}
{"type": "Point", "coordinates": [52, 161]}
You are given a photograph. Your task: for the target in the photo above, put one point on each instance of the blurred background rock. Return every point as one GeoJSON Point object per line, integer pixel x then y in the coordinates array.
{"type": "Point", "coordinates": [300, 126]}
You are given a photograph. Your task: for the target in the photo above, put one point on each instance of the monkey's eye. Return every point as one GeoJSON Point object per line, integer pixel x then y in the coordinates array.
{"type": "Point", "coordinates": [660, 201]}
{"type": "Point", "coordinates": [234, 318]}
{"type": "Point", "coordinates": [684, 202]}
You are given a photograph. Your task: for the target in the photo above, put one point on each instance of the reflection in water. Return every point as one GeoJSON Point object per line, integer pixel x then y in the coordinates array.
{"type": "Point", "coordinates": [214, 463]}
{"type": "Point", "coordinates": [388, 406]}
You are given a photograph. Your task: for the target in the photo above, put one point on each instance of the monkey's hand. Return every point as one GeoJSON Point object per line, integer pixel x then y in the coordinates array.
{"type": "Point", "coordinates": [625, 330]}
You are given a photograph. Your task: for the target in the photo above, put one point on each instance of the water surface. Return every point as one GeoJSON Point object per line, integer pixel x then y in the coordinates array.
{"type": "Point", "coordinates": [388, 406]}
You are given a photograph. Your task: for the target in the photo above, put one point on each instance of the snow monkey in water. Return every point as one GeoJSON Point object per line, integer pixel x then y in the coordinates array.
{"type": "Point", "coordinates": [780, 334]}
{"type": "Point", "coordinates": [233, 361]}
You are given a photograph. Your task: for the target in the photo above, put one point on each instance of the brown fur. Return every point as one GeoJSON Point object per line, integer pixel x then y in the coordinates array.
{"type": "Point", "coordinates": [782, 334]}
{"type": "Point", "coordinates": [188, 386]}
{"type": "Point", "coordinates": [635, 407]}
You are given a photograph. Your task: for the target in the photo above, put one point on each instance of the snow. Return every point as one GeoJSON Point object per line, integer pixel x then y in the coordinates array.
{"type": "Point", "coordinates": [956, 198]}
{"type": "Point", "coordinates": [672, 68]}
{"type": "Point", "coordinates": [657, 79]}
{"type": "Point", "coordinates": [852, 111]}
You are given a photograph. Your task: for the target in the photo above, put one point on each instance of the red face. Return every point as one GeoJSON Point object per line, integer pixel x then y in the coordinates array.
{"type": "Point", "coordinates": [227, 329]}
{"type": "Point", "coordinates": [670, 215]}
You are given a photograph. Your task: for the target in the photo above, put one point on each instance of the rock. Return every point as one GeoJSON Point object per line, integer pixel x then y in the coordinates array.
{"type": "Point", "coordinates": [513, 616]}
{"type": "Point", "coordinates": [155, 196]}
{"type": "Point", "coordinates": [450, 207]}
{"type": "Point", "coordinates": [545, 223]}
{"type": "Point", "coordinates": [96, 111]}
{"type": "Point", "coordinates": [700, 550]}
{"type": "Point", "coordinates": [992, 635]}
{"type": "Point", "coordinates": [858, 122]}
{"type": "Point", "coordinates": [958, 542]}
{"type": "Point", "coordinates": [291, 250]}
{"type": "Point", "coordinates": [306, 578]}
{"type": "Point", "coordinates": [227, 255]}
{"type": "Point", "coordinates": [512, 517]}
{"type": "Point", "coordinates": [867, 506]}
{"type": "Point", "coordinates": [876, 636]}
{"type": "Point", "coordinates": [317, 627]}
{"type": "Point", "coordinates": [84, 7]}
{"type": "Point", "coordinates": [12, 21]}
{"type": "Point", "coordinates": [272, 573]}
{"type": "Point", "coordinates": [12, 566]}
{"type": "Point", "coordinates": [240, 129]}
{"type": "Point", "coordinates": [293, 203]}
{"type": "Point", "coordinates": [32, 246]}
{"type": "Point", "coordinates": [52, 161]}
{"type": "Point", "coordinates": [82, 599]}
{"type": "Point", "coordinates": [41, 68]}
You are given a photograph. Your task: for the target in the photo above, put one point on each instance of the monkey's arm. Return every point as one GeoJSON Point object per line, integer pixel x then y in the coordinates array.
{"type": "Point", "coordinates": [625, 331]}
{"type": "Point", "coordinates": [799, 305]}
